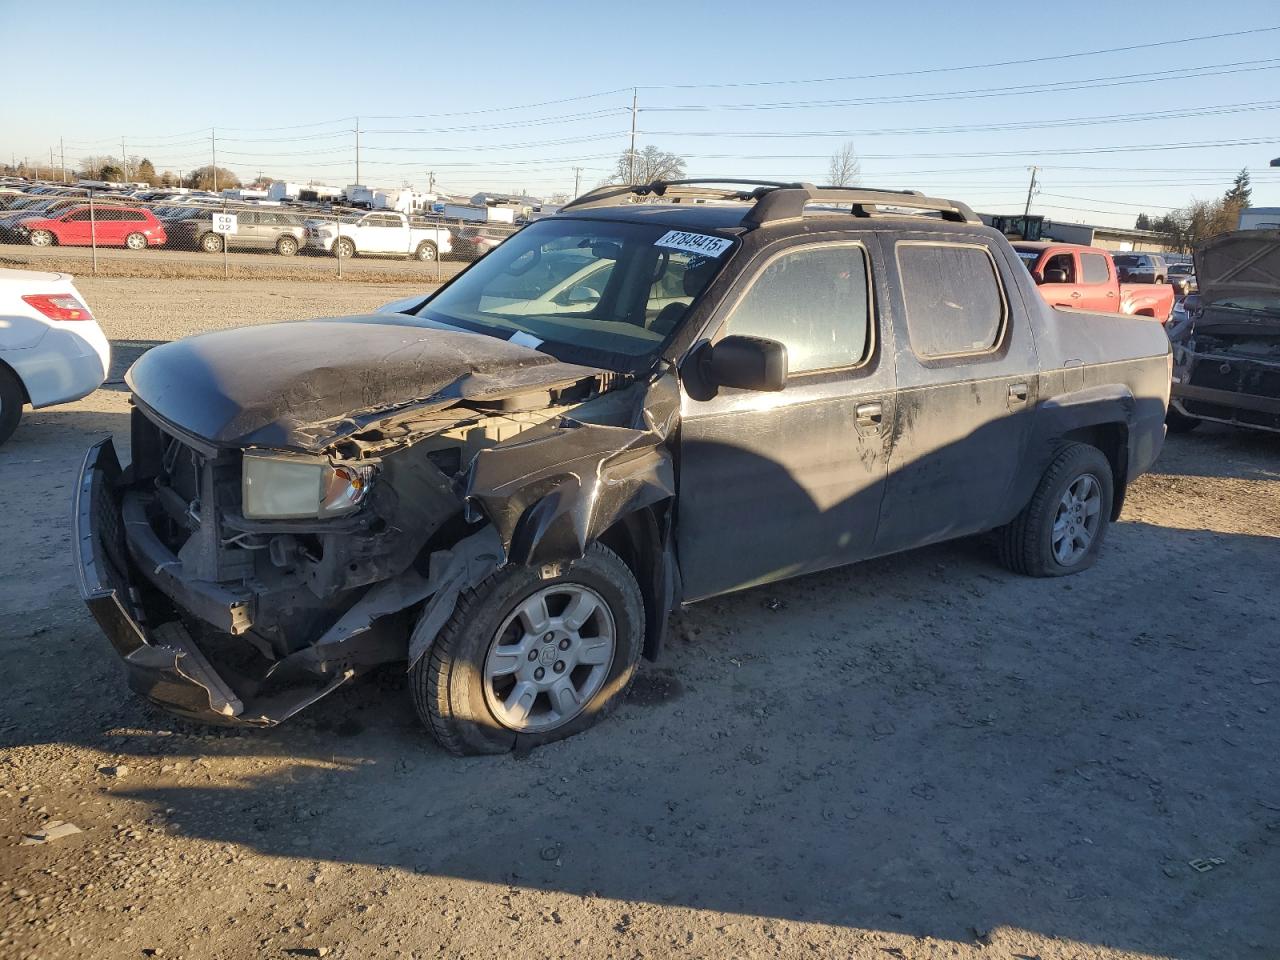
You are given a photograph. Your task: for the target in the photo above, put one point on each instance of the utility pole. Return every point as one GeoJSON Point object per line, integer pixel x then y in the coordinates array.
{"type": "Point", "coordinates": [431, 181]}
{"type": "Point", "coordinates": [577, 178]}
{"type": "Point", "coordinates": [213, 150]}
{"type": "Point", "coordinates": [1026, 211]}
{"type": "Point", "coordinates": [631, 154]}
{"type": "Point", "coordinates": [51, 163]}
{"type": "Point", "coordinates": [124, 162]}
{"type": "Point", "coordinates": [357, 149]}
{"type": "Point", "coordinates": [62, 149]}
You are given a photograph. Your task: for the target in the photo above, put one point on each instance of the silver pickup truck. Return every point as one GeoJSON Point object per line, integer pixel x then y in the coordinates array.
{"type": "Point", "coordinates": [509, 484]}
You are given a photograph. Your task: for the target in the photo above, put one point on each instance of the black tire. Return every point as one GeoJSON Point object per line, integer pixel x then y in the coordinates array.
{"type": "Point", "coordinates": [211, 243]}
{"type": "Point", "coordinates": [345, 247]}
{"type": "Point", "coordinates": [447, 683]}
{"type": "Point", "coordinates": [426, 251]}
{"type": "Point", "coordinates": [1178, 422]}
{"type": "Point", "coordinates": [287, 246]}
{"type": "Point", "coordinates": [1026, 545]}
{"type": "Point", "coordinates": [12, 397]}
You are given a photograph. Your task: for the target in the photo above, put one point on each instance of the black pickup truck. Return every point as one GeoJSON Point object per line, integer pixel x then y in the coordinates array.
{"type": "Point", "coordinates": [660, 394]}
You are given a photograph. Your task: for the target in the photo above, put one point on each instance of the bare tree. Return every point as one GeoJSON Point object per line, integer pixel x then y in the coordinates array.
{"type": "Point", "coordinates": [647, 165]}
{"type": "Point", "coordinates": [844, 169]}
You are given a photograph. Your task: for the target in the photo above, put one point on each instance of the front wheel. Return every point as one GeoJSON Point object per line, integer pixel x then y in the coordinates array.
{"type": "Point", "coordinates": [135, 241]}
{"type": "Point", "coordinates": [41, 238]}
{"type": "Point", "coordinates": [1179, 422]}
{"type": "Point", "coordinates": [1062, 527]}
{"type": "Point", "coordinates": [286, 246]}
{"type": "Point", "coordinates": [345, 248]}
{"type": "Point", "coordinates": [426, 251]}
{"type": "Point", "coordinates": [532, 659]}
{"type": "Point", "coordinates": [211, 243]}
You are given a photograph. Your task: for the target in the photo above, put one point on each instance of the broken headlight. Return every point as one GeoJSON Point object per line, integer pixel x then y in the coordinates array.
{"type": "Point", "coordinates": [293, 487]}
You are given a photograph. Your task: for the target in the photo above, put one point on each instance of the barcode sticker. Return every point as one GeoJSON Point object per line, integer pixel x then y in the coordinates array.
{"type": "Point", "coordinates": [694, 243]}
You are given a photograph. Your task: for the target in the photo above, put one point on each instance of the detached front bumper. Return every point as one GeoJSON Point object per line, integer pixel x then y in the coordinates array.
{"type": "Point", "coordinates": [164, 663]}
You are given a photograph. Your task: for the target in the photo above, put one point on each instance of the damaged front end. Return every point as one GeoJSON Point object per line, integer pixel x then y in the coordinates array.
{"type": "Point", "coordinates": [224, 613]}
{"type": "Point", "coordinates": [1230, 377]}
{"type": "Point", "coordinates": [1226, 351]}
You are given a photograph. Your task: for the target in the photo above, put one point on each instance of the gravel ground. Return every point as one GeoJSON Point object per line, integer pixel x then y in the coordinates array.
{"type": "Point", "coordinates": [918, 757]}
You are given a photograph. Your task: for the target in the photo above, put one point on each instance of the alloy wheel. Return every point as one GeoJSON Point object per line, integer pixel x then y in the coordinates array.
{"type": "Point", "coordinates": [1075, 524]}
{"type": "Point", "coordinates": [549, 658]}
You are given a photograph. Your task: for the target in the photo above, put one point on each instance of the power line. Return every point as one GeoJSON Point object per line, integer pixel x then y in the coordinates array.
{"type": "Point", "coordinates": [1057, 86]}
{"type": "Point", "coordinates": [971, 66]}
{"type": "Point", "coordinates": [1253, 106]}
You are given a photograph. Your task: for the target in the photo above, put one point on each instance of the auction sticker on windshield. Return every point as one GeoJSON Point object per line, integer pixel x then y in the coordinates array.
{"type": "Point", "coordinates": [694, 243]}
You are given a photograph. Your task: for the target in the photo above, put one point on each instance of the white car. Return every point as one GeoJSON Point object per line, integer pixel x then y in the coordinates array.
{"type": "Point", "coordinates": [51, 348]}
{"type": "Point", "coordinates": [379, 232]}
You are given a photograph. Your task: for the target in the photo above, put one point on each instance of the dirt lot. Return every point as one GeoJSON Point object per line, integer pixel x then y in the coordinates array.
{"type": "Point", "coordinates": [923, 756]}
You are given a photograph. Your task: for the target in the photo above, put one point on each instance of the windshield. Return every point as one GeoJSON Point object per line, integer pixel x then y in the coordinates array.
{"type": "Point", "coordinates": [607, 292]}
{"type": "Point", "coordinates": [1181, 268]}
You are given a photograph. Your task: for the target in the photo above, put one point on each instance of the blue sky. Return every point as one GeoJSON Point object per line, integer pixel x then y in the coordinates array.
{"type": "Point", "coordinates": [507, 96]}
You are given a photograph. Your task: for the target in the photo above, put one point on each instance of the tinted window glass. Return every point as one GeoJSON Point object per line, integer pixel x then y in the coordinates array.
{"type": "Point", "coordinates": [813, 300]}
{"type": "Point", "coordinates": [133, 215]}
{"type": "Point", "coordinates": [79, 215]}
{"type": "Point", "coordinates": [1094, 267]}
{"type": "Point", "coordinates": [953, 298]}
{"type": "Point", "coordinates": [600, 291]}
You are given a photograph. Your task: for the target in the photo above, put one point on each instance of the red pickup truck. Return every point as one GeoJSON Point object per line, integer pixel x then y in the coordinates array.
{"type": "Point", "coordinates": [1070, 275]}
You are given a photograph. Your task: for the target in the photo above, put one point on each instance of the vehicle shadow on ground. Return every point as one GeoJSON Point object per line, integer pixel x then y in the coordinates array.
{"type": "Point", "coordinates": [827, 750]}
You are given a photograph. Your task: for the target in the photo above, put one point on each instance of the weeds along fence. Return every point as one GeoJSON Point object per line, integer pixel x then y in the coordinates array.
{"type": "Point", "coordinates": [149, 234]}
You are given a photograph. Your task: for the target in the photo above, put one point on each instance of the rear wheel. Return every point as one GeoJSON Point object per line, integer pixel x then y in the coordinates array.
{"type": "Point", "coordinates": [11, 400]}
{"type": "Point", "coordinates": [1062, 527]}
{"type": "Point", "coordinates": [287, 246]}
{"type": "Point", "coordinates": [426, 251]}
{"type": "Point", "coordinates": [532, 659]}
{"type": "Point", "coordinates": [345, 248]}
{"type": "Point", "coordinates": [211, 243]}
{"type": "Point", "coordinates": [136, 241]}
{"type": "Point", "coordinates": [41, 238]}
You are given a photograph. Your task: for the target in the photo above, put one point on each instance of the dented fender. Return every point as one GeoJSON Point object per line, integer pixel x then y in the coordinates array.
{"type": "Point", "coordinates": [556, 489]}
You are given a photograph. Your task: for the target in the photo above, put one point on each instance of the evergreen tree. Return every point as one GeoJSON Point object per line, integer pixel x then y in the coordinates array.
{"type": "Point", "coordinates": [1241, 190]}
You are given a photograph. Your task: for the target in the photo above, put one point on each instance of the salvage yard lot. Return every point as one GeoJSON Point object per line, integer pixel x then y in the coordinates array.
{"type": "Point", "coordinates": [916, 757]}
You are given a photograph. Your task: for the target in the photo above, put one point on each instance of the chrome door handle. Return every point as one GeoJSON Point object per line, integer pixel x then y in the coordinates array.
{"type": "Point", "coordinates": [870, 416]}
{"type": "Point", "coordinates": [1017, 393]}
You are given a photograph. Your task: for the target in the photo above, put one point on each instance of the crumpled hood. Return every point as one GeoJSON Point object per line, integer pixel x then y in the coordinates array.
{"type": "Point", "coordinates": [301, 385]}
{"type": "Point", "coordinates": [1245, 263]}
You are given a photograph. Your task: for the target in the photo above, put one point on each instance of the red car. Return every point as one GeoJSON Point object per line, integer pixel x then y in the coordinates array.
{"type": "Point", "coordinates": [115, 226]}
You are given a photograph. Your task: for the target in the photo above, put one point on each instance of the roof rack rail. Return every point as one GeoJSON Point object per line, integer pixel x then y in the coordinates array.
{"type": "Point", "coordinates": [775, 200]}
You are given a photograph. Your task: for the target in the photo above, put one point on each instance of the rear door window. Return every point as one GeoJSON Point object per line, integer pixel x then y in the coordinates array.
{"type": "Point", "coordinates": [816, 301]}
{"type": "Point", "coordinates": [955, 304]}
{"type": "Point", "coordinates": [1094, 268]}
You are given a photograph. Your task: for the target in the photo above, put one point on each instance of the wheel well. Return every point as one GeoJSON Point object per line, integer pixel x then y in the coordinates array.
{"type": "Point", "coordinates": [638, 539]}
{"type": "Point", "coordinates": [5, 368]}
{"type": "Point", "coordinates": [1113, 440]}
{"type": "Point", "coordinates": [1145, 312]}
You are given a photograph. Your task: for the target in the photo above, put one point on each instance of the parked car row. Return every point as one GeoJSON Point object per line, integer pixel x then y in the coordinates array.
{"type": "Point", "coordinates": [47, 216]}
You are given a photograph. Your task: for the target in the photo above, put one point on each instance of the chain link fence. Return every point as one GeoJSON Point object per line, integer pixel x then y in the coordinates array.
{"type": "Point", "coordinates": [164, 234]}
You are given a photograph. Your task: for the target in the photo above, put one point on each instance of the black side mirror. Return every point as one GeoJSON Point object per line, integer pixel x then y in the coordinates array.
{"type": "Point", "coordinates": [1055, 276]}
{"type": "Point", "coordinates": [747, 363]}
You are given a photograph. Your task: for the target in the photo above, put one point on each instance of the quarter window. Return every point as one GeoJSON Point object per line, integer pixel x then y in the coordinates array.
{"type": "Point", "coordinates": [954, 302]}
{"type": "Point", "coordinates": [815, 301]}
{"type": "Point", "coordinates": [1094, 268]}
